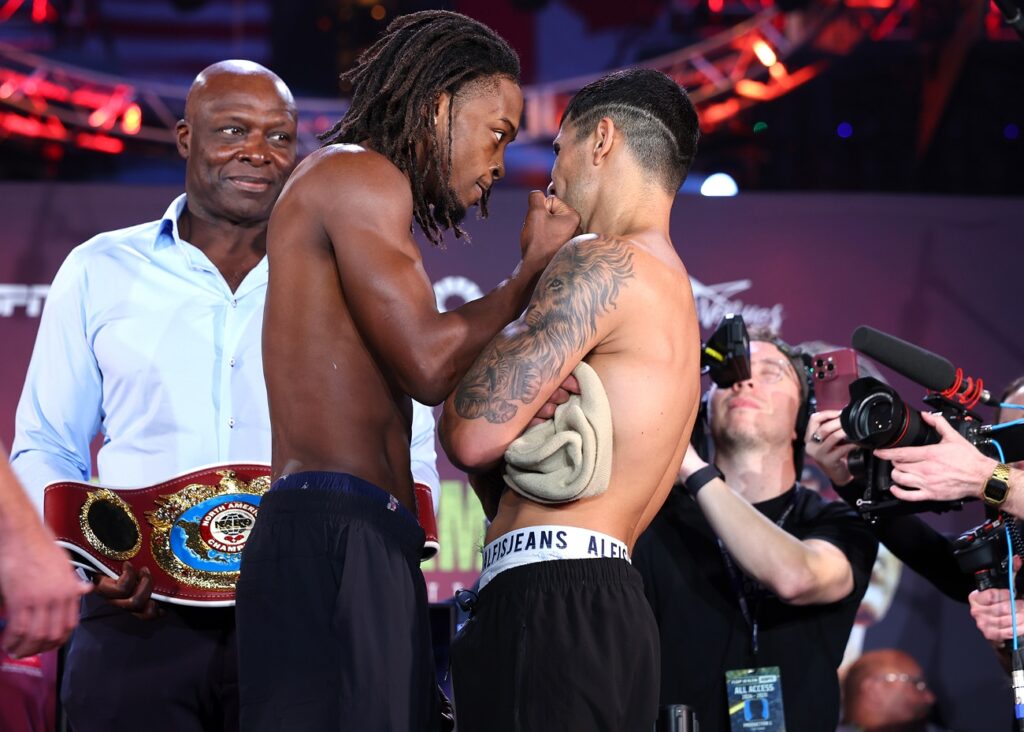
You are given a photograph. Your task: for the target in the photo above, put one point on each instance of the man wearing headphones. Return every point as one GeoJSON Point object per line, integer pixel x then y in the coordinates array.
{"type": "Point", "coordinates": [754, 579]}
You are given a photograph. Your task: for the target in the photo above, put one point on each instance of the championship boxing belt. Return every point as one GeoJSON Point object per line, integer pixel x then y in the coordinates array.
{"type": "Point", "coordinates": [428, 522]}
{"type": "Point", "coordinates": [189, 531]}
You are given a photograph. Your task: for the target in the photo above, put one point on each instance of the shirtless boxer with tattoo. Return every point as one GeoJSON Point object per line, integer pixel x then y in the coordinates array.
{"type": "Point", "coordinates": [561, 636]}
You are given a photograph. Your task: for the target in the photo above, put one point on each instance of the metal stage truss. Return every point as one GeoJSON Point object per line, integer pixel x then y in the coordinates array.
{"type": "Point", "coordinates": [759, 59]}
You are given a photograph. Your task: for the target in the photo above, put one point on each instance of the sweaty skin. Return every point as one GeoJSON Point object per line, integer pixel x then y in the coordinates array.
{"type": "Point", "coordinates": [351, 327]}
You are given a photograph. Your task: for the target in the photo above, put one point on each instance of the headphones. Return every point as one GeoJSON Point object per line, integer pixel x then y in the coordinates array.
{"type": "Point", "coordinates": [808, 406]}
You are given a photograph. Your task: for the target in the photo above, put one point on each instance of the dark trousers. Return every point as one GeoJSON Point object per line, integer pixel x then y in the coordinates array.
{"type": "Point", "coordinates": [332, 614]}
{"type": "Point", "coordinates": [568, 645]}
{"type": "Point", "coordinates": [177, 672]}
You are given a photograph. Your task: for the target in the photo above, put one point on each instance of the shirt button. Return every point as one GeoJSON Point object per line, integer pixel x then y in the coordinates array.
{"type": "Point", "coordinates": [232, 362]}
{"type": "Point", "coordinates": [231, 422]}
{"type": "Point", "coordinates": [234, 303]}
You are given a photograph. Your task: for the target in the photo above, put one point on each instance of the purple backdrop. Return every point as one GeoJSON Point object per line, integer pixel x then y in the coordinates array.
{"type": "Point", "coordinates": [936, 271]}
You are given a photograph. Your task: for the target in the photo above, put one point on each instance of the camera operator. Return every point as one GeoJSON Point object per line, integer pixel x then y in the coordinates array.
{"type": "Point", "coordinates": [991, 608]}
{"type": "Point", "coordinates": [914, 542]}
{"type": "Point", "coordinates": [920, 547]}
{"type": "Point", "coordinates": [750, 570]}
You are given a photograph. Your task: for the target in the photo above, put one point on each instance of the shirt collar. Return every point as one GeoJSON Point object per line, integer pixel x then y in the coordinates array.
{"type": "Point", "coordinates": [167, 233]}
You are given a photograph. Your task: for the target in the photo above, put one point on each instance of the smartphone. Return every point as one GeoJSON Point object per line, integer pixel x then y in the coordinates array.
{"type": "Point", "coordinates": [834, 371]}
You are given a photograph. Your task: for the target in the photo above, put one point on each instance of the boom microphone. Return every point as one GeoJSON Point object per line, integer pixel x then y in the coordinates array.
{"type": "Point", "coordinates": [923, 367]}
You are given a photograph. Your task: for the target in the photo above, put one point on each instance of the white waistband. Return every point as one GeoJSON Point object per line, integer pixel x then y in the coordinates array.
{"type": "Point", "coordinates": [545, 544]}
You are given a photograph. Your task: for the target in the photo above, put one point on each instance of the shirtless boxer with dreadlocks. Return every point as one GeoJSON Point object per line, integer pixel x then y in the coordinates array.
{"type": "Point", "coordinates": [332, 612]}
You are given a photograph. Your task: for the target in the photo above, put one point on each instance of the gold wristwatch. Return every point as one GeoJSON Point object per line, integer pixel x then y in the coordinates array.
{"type": "Point", "coordinates": [997, 487]}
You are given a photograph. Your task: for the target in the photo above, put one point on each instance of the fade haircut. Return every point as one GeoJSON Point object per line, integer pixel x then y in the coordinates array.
{"type": "Point", "coordinates": [395, 87]}
{"type": "Point", "coordinates": [654, 114]}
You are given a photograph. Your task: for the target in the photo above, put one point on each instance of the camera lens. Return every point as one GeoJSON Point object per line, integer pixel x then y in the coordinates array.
{"type": "Point", "coordinates": [876, 414]}
{"type": "Point", "coordinates": [874, 418]}
{"type": "Point", "coordinates": [877, 417]}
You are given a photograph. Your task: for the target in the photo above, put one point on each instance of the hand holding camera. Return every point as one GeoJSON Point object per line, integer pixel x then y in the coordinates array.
{"type": "Point", "coordinates": [949, 470]}
{"type": "Point", "coordinates": [827, 445]}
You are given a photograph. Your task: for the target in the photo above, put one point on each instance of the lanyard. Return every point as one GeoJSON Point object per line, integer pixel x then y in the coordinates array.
{"type": "Point", "coordinates": [738, 586]}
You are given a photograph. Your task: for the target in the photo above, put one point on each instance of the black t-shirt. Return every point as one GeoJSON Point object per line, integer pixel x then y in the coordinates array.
{"type": "Point", "coordinates": [918, 546]}
{"type": "Point", "coordinates": [703, 630]}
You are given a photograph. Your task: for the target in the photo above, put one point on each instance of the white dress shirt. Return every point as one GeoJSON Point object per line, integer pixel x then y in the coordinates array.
{"type": "Point", "coordinates": [142, 340]}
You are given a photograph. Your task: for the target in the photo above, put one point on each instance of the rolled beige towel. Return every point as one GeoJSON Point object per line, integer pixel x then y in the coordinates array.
{"type": "Point", "coordinates": [570, 456]}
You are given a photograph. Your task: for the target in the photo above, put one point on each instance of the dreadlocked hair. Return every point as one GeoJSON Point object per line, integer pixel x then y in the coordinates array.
{"type": "Point", "coordinates": [395, 86]}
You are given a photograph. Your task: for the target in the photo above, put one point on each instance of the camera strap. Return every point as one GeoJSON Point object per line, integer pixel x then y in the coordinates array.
{"type": "Point", "coordinates": [748, 590]}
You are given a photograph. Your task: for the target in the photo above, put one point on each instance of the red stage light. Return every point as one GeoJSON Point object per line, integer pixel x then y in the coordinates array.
{"type": "Point", "coordinates": [98, 117]}
{"type": "Point", "coordinates": [106, 115]}
{"type": "Point", "coordinates": [85, 97]}
{"type": "Point", "coordinates": [716, 113]}
{"type": "Point", "coordinates": [53, 152]}
{"type": "Point", "coordinates": [99, 143]}
{"type": "Point", "coordinates": [42, 10]}
{"type": "Point", "coordinates": [50, 129]}
{"type": "Point", "coordinates": [9, 9]}
{"type": "Point", "coordinates": [754, 90]}
{"type": "Point", "coordinates": [32, 86]}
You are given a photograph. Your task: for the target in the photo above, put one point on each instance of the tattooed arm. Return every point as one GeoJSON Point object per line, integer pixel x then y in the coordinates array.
{"type": "Point", "coordinates": [575, 306]}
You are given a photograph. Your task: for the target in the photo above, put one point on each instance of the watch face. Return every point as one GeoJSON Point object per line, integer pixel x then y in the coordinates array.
{"type": "Point", "coordinates": [995, 491]}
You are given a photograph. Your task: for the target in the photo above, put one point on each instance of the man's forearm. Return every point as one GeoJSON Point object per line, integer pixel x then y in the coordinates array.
{"type": "Point", "coordinates": [796, 572]}
{"type": "Point", "coordinates": [17, 512]}
{"type": "Point", "coordinates": [456, 340]}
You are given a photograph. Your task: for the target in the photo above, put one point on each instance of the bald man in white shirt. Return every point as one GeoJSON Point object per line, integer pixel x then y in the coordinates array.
{"type": "Point", "coordinates": [151, 337]}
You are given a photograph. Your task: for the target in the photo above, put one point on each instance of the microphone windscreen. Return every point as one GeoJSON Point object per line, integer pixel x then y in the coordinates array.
{"type": "Point", "coordinates": [917, 364]}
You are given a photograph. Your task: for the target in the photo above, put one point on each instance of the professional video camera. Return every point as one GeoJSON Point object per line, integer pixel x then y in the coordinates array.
{"type": "Point", "coordinates": [877, 417]}
{"type": "Point", "coordinates": [725, 358]}
{"type": "Point", "coordinates": [726, 355]}
{"type": "Point", "coordinates": [983, 551]}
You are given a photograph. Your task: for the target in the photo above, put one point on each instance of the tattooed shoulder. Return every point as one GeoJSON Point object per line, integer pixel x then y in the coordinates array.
{"type": "Point", "coordinates": [581, 284]}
